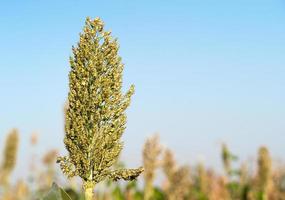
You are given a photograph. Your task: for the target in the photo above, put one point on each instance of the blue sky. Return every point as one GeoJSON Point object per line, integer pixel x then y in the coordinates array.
{"type": "Point", "coordinates": [205, 72]}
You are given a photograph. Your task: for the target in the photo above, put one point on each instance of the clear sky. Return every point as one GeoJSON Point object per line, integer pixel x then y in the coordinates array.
{"type": "Point", "coordinates": [205, 72]}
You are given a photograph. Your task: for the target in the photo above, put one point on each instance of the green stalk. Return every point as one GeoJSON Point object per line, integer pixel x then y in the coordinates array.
{"type": "Point", "coordinates": [88, 193]}
{"type": "Point", "coordinates": [148, 190]}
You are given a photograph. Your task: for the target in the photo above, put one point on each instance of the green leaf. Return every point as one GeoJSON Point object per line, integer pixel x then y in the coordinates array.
{"type": "Point", "coordinates": [138, 195]}
{"type": "Point", "coordinates": [117, 193]}
{"type": "Point", "coordinates": [56, 193]}
{"type": "Point", "coordinates": [158, 194]}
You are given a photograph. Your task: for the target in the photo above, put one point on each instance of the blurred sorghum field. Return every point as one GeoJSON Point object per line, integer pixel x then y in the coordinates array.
{"type": "Point", "coordinates": [179, 182]}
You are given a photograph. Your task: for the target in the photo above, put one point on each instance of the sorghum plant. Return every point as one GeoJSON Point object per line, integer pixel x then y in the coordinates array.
{"type": "Point", "coordinates": [244, 182]}
{"type": "Point", "coordinates": [178, 178]}
{"type": "Point", "coordinates": [202, 180]}
{"type": "Point", "coordinates": [151, 153]}
{"type": "Point", "coordinates": [263, 173]}
{"type": "Point", "coordinates": [168, 164]}
{"type": "Point", "coordinates": [217, 188]}
{"type": "Point", "coordinates": [228, 158]}
{"type": "Point", "coordinates": [95, 118]}
{"type": "Point", "coordinates": [49, 161]}
{"type": "Point", "coordinates": [9, 157]}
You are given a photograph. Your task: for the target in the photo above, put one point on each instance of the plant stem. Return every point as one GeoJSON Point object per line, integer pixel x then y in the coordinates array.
{"type": "Point", "coordinates": [88, 193]}
{"type": "Point", "coordinates": [148, 190]}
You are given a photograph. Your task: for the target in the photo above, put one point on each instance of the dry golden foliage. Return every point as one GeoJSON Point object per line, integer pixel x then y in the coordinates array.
{"type": "Point", "coordinates": [178, 178]}
{"type": "Point", "coordinates": [202, 179]}
{"type": "Point", "coordinates": [50, 157]}
{"type": "Point", "coordinates": [217, 188]}
{"type": "Point", "coordinates": [151, 152]}
{"type": "Point", "coordinates": [21, 190]}
{"type": "Point", "coordinates": [9, 156]}
{"type": "Point", "coordinates": [34, 139]}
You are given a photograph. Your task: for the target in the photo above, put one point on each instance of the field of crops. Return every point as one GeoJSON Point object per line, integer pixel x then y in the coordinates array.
{"type": "Point", "coordinates": [266, 181]}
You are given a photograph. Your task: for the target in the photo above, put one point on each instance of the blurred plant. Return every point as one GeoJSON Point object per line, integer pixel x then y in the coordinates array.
{"type": "Point", "coordinates": [151, 153]}
{"type": "Point", "coordinates": [235, 189]}
{"type": "Point", "coordinates": [129, 191]}
{"type": "Point", "coordinates": [33, 162]}
{"type": "Point", "coordinates": [168, 164]}
{"type": "Point", "coordinates": [178, 178]}
{"type": "Point", "coordinates": [34, 139]}
{"type": "Point", "coordinates": [56, 193]}
{"type": "Point", "coordinates": [9, 157]}
{"type": "Point", "coordinates": [228, 158]}
{"type": "Point", "coordinates": [278, 181]}
{"type": "Point", "coordinates": [217, 188]}
{"type": "Point", "coordinates": [201, 182]}
{"type": "Point", "coordinates": [244, 182]}
{"type": "Point", "coordinates": [95, 118]}
{"type": "Point", "coordinates": [263, 173]}
{"type": "Point", "coordinates": [50, 157]}
{"type": "Point", "coordinates": [49, 160]}
{"type": "Point", "coordinates": [244, 175]}
{"type": "Point", "coordinates": [21, 190]}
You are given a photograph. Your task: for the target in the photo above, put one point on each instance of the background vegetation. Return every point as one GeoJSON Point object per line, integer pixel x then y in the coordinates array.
{"type": "Point", "coordinates": [163, 178]}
